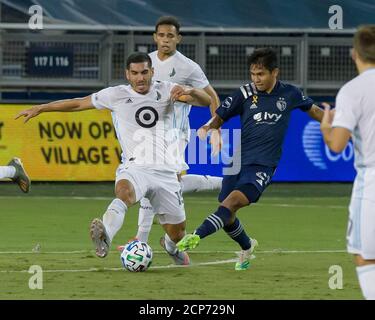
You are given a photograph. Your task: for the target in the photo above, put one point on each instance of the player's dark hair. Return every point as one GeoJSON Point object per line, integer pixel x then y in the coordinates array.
{"type": "Point", "coordinates": [168, 20]}
{"type": "Point", "coordinates": [364, 43]}
{"type": "Point", "coordinates": [138, 57]}
{"type": "Point", "coordinates": [265, 57]}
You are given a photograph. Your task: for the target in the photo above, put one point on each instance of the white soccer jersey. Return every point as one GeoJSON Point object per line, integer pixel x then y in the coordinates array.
{"type": "Point", "coordinates": [184, 71]}
{"type": "Point", "coordinates": [143, 124]}
{"type": "Point", "coordinates": [355, 111]}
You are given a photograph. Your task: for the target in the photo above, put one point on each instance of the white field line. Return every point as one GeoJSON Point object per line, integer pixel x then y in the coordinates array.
{"type": "Point", "coordinates": [277, 251]}
{"type": "Point", "coordinates": [188, 196]}
{"type": "Point", "coordinates": [201, 201]}
{"type": "Point", "coordinates": [171, 266]}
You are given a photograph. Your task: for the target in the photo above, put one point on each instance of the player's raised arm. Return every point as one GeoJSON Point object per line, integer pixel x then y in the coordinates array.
{"type": "Point", "coordinates": [194, 96]}
{"type": "Point", "coordinates": [68, 105]}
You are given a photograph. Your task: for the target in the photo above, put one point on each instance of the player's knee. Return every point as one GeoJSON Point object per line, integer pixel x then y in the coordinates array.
{"type": "Point", "coordinates": [126, 195]}
{"type": "Point", "coordinates": [234, 203]}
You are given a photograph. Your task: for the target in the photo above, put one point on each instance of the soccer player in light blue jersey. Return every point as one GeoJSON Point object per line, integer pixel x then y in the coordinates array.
{"type": "Point", "coordinates": [355, 117]}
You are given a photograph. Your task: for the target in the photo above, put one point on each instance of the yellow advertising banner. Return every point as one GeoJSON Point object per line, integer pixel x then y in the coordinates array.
{"type": "Point", "coordinates": [61, 146]}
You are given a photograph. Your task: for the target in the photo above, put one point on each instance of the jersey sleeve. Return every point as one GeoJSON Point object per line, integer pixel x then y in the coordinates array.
{"type": "Point", "coordinates": [197, 78]}
{"type": "Point", "coordinates": [347, 110]}
{"type": "Point", "coordinates": [301, 101]}
{"type": "Point", "coordinates": [231, 106]}
{"type": "Point", "coordinates": [102, 99]}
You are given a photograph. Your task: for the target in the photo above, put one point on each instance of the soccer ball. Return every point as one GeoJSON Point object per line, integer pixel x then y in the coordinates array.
{"type": "Point", "coordinates": [136, 256]}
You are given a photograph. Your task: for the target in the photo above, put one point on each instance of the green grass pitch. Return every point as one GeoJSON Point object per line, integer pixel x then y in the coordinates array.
{"type": "Point", "coordinates": [300, 229]}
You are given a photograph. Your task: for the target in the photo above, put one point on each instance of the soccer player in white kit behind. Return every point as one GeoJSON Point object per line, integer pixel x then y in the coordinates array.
{"type": "Point", "coordinates": [142, 114]}
{"type": "Point", "coordinates": [171, 65]}
{"type": "Point", "coordinates": [355, 117]}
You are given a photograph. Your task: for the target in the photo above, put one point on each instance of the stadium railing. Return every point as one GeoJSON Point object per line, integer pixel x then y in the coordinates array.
{"type": "Point", "coordinates": [317, 60]}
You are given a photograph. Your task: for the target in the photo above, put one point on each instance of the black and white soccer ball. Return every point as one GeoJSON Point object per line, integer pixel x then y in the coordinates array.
{"type": "Point", "coordinates": [136, 256]}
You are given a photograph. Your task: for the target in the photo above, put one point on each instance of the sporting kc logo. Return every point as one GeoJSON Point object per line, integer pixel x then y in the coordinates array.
{"type": "Point", "coordinates": [281, 104]}
{"type": "Point", "coordinates": [147, 117]}
{"type": "Point", "coordinates": [227, 103]}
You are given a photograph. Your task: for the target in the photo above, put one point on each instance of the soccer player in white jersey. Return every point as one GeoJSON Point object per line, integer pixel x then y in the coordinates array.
{"type": "Point", "coordinates": [355, 117]}
{"type": "Point", "coordinates": [15, 171]}
{"type": "Point", "coordinates": [142, 114]}
{"type": "Point", "coordinates": [171, 65]}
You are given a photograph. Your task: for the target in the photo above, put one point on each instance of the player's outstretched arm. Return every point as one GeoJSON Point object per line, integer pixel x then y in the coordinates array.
{"type": "Point", "coordinates": [215, 140]}
{"type": "Point", "coordinates": [215, 101]}
{"type": "Point", "coordinates": [195, 96]}
{"type": "Point", "coordinates": [214, 123]}
{"type": "Point", "coordinates": [69, 105]}
{"type": "Point", "coordinates": [316, 113]}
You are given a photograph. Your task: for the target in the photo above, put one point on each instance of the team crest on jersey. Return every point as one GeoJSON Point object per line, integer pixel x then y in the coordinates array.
{"type": "Point", "coordinates": [158, 95]}
{"type": "Point", "coordinates": [227, 103]}
{"type": "Point", "coordinates": [281, 104]}
{"type": "Point", "coordinates": [146, 117]}
{"type": "Point", "coordinates": [172, 73]}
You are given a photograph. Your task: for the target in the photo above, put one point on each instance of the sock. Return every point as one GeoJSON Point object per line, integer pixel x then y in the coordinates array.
{"type": "Point", "coordinates": [113, 218]}
{"type": "Point", "coordinates": [366, 276]}
{"type": "Point", "coordinates": [238, 234]}
{"type": "Point", "coordinates": [7, 172]}
{"type": "Point", "coordinates": [214, 222]}
{"type": "Point", "coordinates": [145, 220]}
{"type": "Point", "coordinates": [170, 246]}
{"type": "Point", "coordinates": [196, 183]}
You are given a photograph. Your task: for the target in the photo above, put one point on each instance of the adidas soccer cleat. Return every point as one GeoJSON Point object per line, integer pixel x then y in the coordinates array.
{"type": "Point", "coordinates": [21, 177]}
{"type": "Point", "coordinates": [244, 256]}
{"type": "Point", "coordinates": [188, 242]}
{"type": "Point", "coordinates": [179, 257]}
{"type": "Point", "coordinates": [100, 238]}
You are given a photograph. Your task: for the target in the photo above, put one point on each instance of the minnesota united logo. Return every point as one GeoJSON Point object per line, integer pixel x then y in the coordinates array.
{"type": "Point", "coordinates": [172, 73]}
{"type": "Point", "coordinates": [281, 104]}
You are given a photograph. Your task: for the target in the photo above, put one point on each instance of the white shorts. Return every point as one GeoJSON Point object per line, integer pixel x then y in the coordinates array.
{"type": "Point", "coordinates": [160, 187]}
{"type": "Point", "coordinates": [361, 226]}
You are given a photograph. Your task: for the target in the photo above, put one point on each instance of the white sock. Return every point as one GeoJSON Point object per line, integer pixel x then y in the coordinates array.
{"type": "Point", "coordinates": [113, 218]}
{"type": "Point", "coordinates": [145, 220]}
{"type": "Point", "coordinates": [170, 246]}
{"type": "Point", "coordinates": [366, 276]}
{"type": "Point", "coordinates": [7, 172]}
{"type": "Point", "coordinates": [196, 183]}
